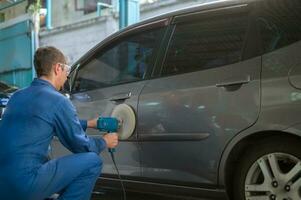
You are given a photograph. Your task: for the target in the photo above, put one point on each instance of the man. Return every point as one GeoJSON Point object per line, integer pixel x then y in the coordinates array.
{"type": "Point", "coordinates": [33, 116]}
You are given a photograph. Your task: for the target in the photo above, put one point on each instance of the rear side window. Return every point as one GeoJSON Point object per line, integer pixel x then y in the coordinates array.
{"type": "Point", "coordinates": [124, 61]}
{"type": "Point", "coordinates": [206, 43]}
{"type": "Point", "coordinates": [279, 22]}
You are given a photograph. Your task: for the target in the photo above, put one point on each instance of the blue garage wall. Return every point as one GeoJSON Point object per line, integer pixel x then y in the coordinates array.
{"type": "Point", "coordinates": [134, 12]}
{"type": "Point", "coordinates": [129, 12]}
{"type": "Point", "coordinates": [16, 54]}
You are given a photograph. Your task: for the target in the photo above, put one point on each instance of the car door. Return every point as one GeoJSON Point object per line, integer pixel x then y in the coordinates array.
{"type": "Point", "coordinates": [115, 74]}
{"type": "Point", "coordinates": [208, 91]}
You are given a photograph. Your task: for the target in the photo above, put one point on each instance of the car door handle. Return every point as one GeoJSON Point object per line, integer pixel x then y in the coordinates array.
{"type": "Point", "coordinates": [231, 83]}
{"type": "Point", "coordinates": [120, 97]}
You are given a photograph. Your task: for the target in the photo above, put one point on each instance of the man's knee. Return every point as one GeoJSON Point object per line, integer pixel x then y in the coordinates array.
{"type": "Point", "coordinates": [93, 160]}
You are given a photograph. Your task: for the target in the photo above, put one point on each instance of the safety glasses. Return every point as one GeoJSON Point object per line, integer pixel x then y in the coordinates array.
{"type": "Point", "coordinates": [65, 66]}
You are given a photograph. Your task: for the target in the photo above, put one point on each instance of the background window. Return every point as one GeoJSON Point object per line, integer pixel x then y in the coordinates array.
{"type": "Point", "coordinates": [126, 61]}
{"type": "Point", "coordinates": [208, 43]}
{"type": "Point", "coordinates": [279, 22]}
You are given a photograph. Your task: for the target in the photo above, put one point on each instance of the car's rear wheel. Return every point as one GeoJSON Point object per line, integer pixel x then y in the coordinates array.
{"type": "Point", "coordinates": [270, 170]}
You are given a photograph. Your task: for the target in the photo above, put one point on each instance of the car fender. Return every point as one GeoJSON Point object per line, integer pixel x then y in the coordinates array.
{"type": "Point", "coordinates": [256, 129]}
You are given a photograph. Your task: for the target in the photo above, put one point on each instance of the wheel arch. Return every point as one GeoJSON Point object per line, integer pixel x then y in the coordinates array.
{"type": "Point", "coordinates": [237, 146]}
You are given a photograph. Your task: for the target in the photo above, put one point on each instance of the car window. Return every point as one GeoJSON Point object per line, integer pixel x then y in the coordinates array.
{"type": "Point", "coordinates": [124, 61]}
{"type": "Point", "coordinates": [206, 43]}
{"type": "Point", "coordinates": [279, 22]}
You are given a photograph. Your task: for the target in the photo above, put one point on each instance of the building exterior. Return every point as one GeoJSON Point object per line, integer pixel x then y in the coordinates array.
{"type": "Point", "coordinates": [76, 26]}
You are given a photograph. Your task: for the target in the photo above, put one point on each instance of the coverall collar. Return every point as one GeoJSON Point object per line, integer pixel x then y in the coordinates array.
{"type": "Point", "coordinates": [38, 81]}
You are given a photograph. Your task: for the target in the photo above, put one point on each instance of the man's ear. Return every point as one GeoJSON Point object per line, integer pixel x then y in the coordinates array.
{"type": "Point", "coordinates": [56, 68]}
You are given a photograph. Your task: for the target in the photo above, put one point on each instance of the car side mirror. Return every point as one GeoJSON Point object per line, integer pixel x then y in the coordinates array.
{"type": "Point", "coordinates": [67, 88]}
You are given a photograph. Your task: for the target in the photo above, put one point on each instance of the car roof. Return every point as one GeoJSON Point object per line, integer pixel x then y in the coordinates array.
{"type": "Point", "coordinates": [205, 6]}
{"type": "Point", "coordinates": [199, 7]}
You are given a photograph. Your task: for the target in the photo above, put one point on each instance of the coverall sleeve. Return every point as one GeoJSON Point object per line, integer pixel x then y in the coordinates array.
{"type": "Point", "coordinates": [70, 132]}
{"type": "Point", "coordinates": [84, 124]}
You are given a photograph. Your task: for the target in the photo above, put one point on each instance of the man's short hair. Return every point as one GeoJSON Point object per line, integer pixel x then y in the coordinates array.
{"type": "Point", "coordinates": [45, 58]}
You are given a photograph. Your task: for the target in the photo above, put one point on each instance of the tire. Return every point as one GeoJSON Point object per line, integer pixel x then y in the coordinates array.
{"type": "Point", "coordinates": [269, 169]}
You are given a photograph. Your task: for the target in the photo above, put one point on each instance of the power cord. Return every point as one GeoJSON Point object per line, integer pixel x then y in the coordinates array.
{"type": "Point", "coordinates": [121, 181]}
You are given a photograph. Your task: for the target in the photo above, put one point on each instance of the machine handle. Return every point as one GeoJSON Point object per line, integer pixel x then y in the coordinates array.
{"type": "Point", "coordinates": [122, 96]}
{"type": "Point", "coordinates": [108, 124]}
{"type": "Point", "coordinates": [112, 150]}
{"type": "Point", "coordinates": [231, 83]}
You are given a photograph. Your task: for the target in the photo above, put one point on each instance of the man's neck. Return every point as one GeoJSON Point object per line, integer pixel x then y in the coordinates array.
{"type": "Point", "coordinates": [50, 80]}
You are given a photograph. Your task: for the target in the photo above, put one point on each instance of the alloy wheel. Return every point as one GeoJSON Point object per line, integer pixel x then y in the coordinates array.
{"type": "Point", "coordinates": [275, 176]}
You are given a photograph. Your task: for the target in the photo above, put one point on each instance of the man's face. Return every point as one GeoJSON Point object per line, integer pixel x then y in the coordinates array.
{"type": "Point", "coordinates": [63, 71]}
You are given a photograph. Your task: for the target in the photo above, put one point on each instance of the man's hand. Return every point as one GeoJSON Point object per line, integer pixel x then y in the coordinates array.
{"type": "Point", "coordinates": [111, 140]}
{"type": "Point", "coordinates": [92, 123]}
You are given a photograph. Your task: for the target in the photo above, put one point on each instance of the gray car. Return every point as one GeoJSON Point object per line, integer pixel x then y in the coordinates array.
{"type": "Point", "coordinates": [216, 89]}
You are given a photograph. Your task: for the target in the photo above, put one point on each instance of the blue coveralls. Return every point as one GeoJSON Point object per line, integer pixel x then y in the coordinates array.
{"type": "Point", "coordinates": [33, 116]}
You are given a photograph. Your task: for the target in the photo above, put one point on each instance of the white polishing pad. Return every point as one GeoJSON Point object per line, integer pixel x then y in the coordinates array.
{"type": "Point", "coordinates": [126, 115]}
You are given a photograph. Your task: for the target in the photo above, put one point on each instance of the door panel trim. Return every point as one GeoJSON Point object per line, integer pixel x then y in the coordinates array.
{"type": "Point", "coordinates": [173, 137]}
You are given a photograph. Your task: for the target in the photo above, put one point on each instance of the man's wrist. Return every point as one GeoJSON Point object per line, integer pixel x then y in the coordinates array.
{"type": "Point", "coordinates": [92, 123]}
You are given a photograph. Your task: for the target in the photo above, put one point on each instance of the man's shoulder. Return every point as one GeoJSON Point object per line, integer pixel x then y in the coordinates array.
{"type": "Point", "coordinates": [51, 92]}
{"type": "Point", "coordinates": [52, 99]}
{"type": "Point", "coordinates": [53, 95]}
{"type": "Point", "coordinates": [39, 94]}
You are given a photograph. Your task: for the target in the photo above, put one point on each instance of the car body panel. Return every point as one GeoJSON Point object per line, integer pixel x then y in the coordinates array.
{"type": "Point", "coordinates": [215, 114]}
{"type": "Point", "coordinates": [280, 101]}
{"type": "Point", "coordinates": [99, 102]}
